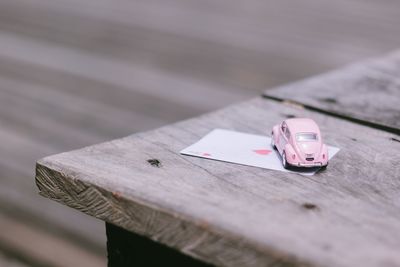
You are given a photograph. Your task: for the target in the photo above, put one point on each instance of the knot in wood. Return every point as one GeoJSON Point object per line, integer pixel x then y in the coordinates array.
{"type": "Point", "coordinates": [309, 206]}
{"type": "Point", "coordinates": [154, 162]}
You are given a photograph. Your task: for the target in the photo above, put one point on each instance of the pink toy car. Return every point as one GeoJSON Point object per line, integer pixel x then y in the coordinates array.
{"type": "Point", "coordinates": [299, 143]}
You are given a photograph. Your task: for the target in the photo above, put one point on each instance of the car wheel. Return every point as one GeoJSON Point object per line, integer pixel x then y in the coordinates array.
{"type": "Point", "coordinates": [273, 141]}
{"type": "Point", "coordinates": [324, 167]}
{"type": "Point", "coordinates": [284, 162]}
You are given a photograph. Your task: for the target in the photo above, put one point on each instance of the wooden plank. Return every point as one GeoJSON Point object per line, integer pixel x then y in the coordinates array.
{"type": "Point", "coordinates": [63, 223]}
{"type": "Point", "coordinates": [231, 215]}
{"type": "Point", "coordinates": [253, 46]}
{"type": "Point", "coordinates": [109, 97]}
{"type": "Point", "coordinates": [62, 119]}
{"type": "Point", "coordinates": [21, 200]}
{"type": "Point", "coordinates": [48, 250]}
{"type": "Point", "coordinates": [126, 75]}
{"type": "Point", "coordinates": [18, 198]}
{"type": "Point", "coordinates": [367, 92]}
{"type": "Point", "coordinates": [29, 133]}
{"type": "Point", "coordinates": [8, 261]}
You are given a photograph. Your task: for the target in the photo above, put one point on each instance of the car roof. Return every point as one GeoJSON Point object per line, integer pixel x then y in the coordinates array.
{"type": "Point", "coordinates": [302, 125]}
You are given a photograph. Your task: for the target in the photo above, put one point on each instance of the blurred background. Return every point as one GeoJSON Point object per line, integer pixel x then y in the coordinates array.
{"type": "Point", "coordinates": [78, 72]}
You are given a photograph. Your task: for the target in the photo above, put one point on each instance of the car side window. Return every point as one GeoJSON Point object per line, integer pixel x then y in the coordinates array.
{"type": "Point", "coordinates": [284, 127]}
{"type": "Point", "coordinates": [287, 133]}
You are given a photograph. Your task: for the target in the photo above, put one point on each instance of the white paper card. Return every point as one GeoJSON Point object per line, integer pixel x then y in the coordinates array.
{"type": "Point", "coordinates": [243, 148]}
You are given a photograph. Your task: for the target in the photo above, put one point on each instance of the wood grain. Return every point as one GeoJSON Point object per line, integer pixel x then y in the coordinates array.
{"type": "Point", "coordinates": [367, 91]}
{"type": "Point", "coordinates": [48, 250]}
{"type": "Point", "coordinates": [252, 46]}
{"type": "Point", "coordinates": [8, 261]}
{"type": "Point", "coordinates": [231, 215]}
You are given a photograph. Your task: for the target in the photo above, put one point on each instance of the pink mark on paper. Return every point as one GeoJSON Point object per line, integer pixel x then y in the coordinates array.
{"type": "Point", "coordinates": [206, 154]}
{"type": "Point", "coordinates": [262, 151]}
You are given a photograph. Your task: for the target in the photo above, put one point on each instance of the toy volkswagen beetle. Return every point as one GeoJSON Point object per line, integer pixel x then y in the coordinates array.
{"type": "Point", "coordinates": [299, 143]}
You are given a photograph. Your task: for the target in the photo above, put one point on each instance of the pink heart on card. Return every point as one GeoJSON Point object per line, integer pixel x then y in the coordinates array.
{"type": "Point", "coordinates": [262, 151]}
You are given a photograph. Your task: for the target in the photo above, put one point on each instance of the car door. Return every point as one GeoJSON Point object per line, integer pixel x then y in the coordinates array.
{"type": "Point", "coordinates": [282, 140]}
{"type": "Point", "coordinates": [287, 136]}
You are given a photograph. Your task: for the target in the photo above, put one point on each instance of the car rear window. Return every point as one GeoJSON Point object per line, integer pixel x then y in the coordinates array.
{"type": "Point", "coordinates": [300, 137]}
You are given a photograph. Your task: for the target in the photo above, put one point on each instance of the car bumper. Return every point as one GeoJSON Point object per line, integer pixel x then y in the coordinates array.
{"type": "Point", "coordinates": [309, 165]}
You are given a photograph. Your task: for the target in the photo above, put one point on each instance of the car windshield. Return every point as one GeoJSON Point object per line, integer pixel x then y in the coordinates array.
{"type": "Point", "coordinates": [300, 137]}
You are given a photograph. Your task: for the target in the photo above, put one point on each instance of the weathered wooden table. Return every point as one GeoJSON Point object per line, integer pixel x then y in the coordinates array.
{"type": "Point", "coordinates": [230, 215]}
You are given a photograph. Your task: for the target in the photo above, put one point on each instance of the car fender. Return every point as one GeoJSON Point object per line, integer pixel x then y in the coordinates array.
{"type": "Point", "coordinates": [289, 151]}
{"type": "Point", "coordinates": [275, 134]}
{"type": "Point", "coordinates": [275, 130]}
{"type": "Point", "coordinates": [324, 150]}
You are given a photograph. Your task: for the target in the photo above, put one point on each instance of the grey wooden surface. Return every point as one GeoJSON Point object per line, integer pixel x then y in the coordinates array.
{"type": "Point", "coordinates": [367, 91]}
{"type": "Point", "coordinates": [6, 261]}
{"type": "Point", "coordinates": [251, 45]}
{"type": "Point", "coordinates": [232, 215]}
{"type": "Point", "coordinates": [23, 242]}
{"type": "Point", "coordinates": [76, 73]}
